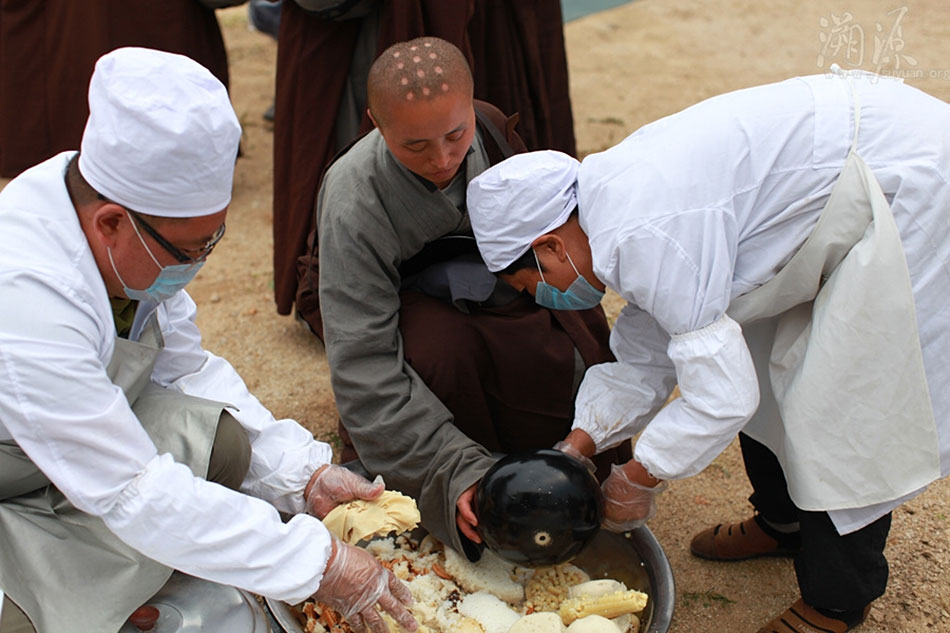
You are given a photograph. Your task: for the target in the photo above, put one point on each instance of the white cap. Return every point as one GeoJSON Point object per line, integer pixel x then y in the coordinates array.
{"type": "Point", "coordinates": [161, 137]}
{"type": "Point", "coordinates": [518, 200]}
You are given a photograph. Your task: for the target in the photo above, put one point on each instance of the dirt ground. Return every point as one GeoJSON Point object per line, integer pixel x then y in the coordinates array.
{"type": "Point", "coordinates": [629, 66]}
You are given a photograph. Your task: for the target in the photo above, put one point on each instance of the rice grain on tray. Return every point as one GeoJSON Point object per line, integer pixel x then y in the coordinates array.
{"type": "Point", "coordinates": [453, 595]}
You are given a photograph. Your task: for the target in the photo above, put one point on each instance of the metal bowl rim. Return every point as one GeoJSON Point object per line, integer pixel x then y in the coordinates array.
{"type": "Point", "coordinates": [643, 541]}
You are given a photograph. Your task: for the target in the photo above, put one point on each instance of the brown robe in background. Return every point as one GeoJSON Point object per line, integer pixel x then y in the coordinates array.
{"type": "Point", "coordinates": [515, 49]}
{"type": "Point", "coordinates": [520, 66]}
{"type": "Point", "coordinates": [48, 50]}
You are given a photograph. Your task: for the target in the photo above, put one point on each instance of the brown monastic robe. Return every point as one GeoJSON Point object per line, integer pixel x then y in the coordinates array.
{"type": "Point", "coordinates": [515, 49]}
{"type": "Point", "coordinates": [49, 49]}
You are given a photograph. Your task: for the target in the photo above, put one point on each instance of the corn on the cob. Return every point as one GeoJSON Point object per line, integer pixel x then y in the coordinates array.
{"type": "Point", "coordinates": [608, 605]}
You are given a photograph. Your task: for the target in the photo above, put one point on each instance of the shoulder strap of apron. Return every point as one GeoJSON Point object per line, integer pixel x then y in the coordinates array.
{"type": "Point", "coordinates": [855, 100]}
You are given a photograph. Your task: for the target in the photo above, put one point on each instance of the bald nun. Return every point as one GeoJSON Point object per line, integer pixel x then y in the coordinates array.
{"type": "Point", "coordinates": [784, 252]}
{"type": "Point", "coordinates": [436, 367]}
{"type": "Point", "coordinates": [126, 450]}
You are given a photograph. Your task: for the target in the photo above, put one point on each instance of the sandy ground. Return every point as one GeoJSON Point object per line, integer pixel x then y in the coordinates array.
{"type": "Point", "coordinates": [629, 66]}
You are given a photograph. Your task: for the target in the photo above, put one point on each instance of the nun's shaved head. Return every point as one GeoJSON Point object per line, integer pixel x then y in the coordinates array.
{"type": "Point", "coordinates": [418, 70]}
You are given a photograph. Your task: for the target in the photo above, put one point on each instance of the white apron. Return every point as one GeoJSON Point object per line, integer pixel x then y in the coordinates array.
{"type": "Point", "coordinates": [96, 580]}
{"type": "Point", "coordinates": [851, 420]}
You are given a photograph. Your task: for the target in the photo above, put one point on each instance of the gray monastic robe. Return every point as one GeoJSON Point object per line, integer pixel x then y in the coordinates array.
{"type": "Point", "coordinates": [362, 243]}
{"type": "Point", "coordinates": [402, 363]}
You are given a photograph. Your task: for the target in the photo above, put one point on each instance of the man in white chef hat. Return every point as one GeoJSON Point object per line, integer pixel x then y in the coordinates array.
{"type": "Point", "coordinates": [784, 252]}
{"type": "Point", "coordinates": [127, 450]}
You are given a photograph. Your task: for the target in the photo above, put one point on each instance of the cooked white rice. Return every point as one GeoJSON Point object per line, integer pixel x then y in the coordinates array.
{"type": "Point", "coordinates": [488, 610]}
{"type": "Point", "coordinates": [454, 595]}
{"type": "Point", "coordinates": [593, 624]}
{"type": "Point", "coordinates": [490, 573]}
{"type": "Point", "coordinates": [540, 622]}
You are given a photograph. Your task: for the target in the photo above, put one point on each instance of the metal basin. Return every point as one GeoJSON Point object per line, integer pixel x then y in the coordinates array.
{"type": "Point", "coordinates": [190, 605]}
{"type": "Point", "coordinates": [634, 558]}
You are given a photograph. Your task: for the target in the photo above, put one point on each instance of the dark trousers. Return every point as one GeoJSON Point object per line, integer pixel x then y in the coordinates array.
{"type": "Point", "coordinates": [834, 571]}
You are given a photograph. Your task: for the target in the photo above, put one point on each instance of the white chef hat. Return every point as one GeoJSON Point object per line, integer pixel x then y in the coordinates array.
{"type": "Point", "coordinates": [518, 200]}
{"type": "Point", "coordinates": [161, 137]}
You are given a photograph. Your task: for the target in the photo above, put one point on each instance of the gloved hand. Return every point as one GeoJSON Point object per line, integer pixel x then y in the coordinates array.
{"type": "Point", "coordinates": [627, 504]}
{"type": "Point", "coordinates": [354, 582]}
{"type": "Point", "coordinates": [331, 485]}
{"type": "Point", "coordinates": [569, 449]}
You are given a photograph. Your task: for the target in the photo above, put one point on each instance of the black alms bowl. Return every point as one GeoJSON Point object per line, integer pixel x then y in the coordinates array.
{"type": "Point", "coordinates": [538, 508]}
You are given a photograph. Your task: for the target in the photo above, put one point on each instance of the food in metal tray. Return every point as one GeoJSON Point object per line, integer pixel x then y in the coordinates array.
{"type": "Point", "coordinates": [453, 595]}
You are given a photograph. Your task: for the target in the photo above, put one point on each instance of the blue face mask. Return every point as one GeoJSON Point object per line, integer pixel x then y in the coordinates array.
{"type": "Point", "coordinates": [580, 295]}
{"type": "Point", "coordinates": [170, 280]}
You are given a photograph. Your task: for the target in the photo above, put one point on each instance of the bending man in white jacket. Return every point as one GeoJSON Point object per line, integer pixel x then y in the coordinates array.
{"type": "Point", "coordinates": [815, 213]}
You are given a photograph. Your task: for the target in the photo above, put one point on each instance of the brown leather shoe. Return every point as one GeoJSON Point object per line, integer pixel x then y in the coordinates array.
{"type": "Point", "coordinates": [737, 541]}
{"type": "Point", "coordinates": [800, 618]}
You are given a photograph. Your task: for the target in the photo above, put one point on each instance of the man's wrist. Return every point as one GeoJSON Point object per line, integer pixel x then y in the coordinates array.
{"type": "Point", "coordinates": [580, 440]}
{"type": "Point", "coordinates": [313, 479]}
{"type": "Point", "coordinates": [638, 474]}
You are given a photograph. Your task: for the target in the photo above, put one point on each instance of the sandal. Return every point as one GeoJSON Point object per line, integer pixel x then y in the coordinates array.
{"type": "Point", "coordinates": [800, 618]}
{"type": "Point", "coordinates": [738, 541]}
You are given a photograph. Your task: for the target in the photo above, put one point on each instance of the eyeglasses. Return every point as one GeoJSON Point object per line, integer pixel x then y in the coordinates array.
{"type": "Point", "coordinates": [181, 255]}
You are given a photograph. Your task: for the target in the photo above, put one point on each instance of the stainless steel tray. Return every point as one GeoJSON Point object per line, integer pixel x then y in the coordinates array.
{"type": "Point", "coordinates": [635, 558]}
{"type": "Point", "coordinates": [190, 605]}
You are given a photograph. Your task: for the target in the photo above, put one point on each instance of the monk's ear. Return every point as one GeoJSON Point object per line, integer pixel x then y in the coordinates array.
{"type": "Point", "coordinates": [369, 113]}
{"type": "Point", "coordinates": [549, 242]}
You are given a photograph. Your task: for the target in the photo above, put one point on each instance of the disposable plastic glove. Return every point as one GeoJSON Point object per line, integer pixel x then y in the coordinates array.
{"type": "Point", "coordinates": [627, 504]}
{"type": "Point", "coordinates": [332, 485]}
{"type": "Point", "coordinates": [569, 449]}
{"type": "Point", "coordinates": [354, 583]}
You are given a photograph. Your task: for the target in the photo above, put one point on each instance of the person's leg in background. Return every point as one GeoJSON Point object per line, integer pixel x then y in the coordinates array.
{"type": "Point", "coordinates": [264, 16]}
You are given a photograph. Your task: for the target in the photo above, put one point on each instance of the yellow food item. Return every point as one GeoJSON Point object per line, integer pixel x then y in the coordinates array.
{"type": "Point", "coordinates": [600, 587]}
{"type": "Point", "coordinates": [360, 520]}
{"type": "Point", "coordinates": [435, 576]}
{"type": "Point", "coordinates": [608, 605]}
{"type": "Point", "coordinates": [548, 587]}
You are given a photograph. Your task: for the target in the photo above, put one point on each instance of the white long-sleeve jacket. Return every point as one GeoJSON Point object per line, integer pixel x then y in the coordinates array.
{"type": "Point", "coordinates": [698, 208]}
{"type": "Point", "coordinates": [57, 336]}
